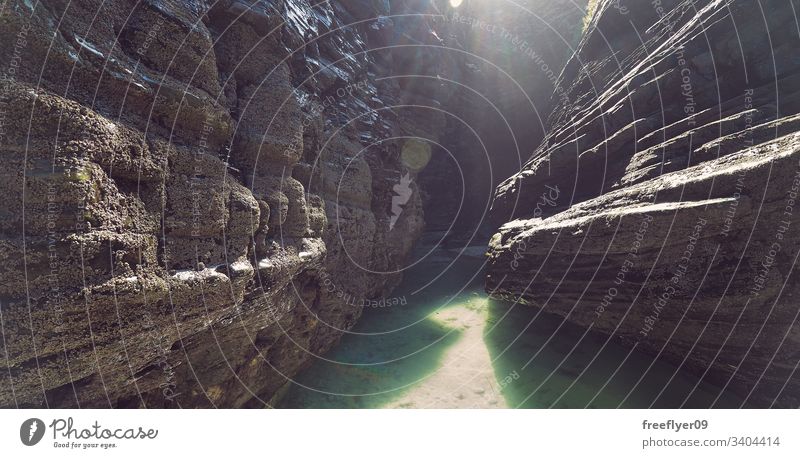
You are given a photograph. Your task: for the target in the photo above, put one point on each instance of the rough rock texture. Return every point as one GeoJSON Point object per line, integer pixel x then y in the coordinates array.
{"type": "Point", "coordinates": [197, 195]}
{"type": "Point", "coordinates": [660, 209]}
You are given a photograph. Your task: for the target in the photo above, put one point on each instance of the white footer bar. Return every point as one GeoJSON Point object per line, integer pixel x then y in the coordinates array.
{"type": "Point", "coordinates": [399, 433]}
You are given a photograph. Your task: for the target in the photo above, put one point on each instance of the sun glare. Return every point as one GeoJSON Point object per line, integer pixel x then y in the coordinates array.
{"type": "Point", "coordinates": [456, 3]}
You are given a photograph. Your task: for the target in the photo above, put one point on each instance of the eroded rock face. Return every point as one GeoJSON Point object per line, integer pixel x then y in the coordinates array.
{"type": "Point", "coordinates": [660, 209]}
{"type": "Point", "coordinates": [197, 195]}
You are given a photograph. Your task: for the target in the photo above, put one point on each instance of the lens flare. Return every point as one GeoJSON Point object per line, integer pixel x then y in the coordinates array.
{"type": "Point", "coordinates": [415, 154]}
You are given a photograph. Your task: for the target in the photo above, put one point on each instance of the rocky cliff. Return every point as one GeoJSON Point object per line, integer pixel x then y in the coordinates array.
{"type": "Point", "coordinates": [200, 196]}
{"type": "Point", "coordinates": [660, 208]}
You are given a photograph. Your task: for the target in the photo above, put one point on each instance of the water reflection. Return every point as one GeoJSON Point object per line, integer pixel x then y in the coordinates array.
{"type": "Point", "coordinates": [568, 372]}
{"type": "Point", "coordinates": [451, 347]}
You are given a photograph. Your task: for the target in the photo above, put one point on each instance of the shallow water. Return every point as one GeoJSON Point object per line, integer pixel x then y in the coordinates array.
{"type": "Point", "coordinates": [449, 346]}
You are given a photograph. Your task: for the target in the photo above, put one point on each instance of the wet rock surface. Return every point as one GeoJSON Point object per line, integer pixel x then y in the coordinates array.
{"type": "Point", "coordinates": [660, 208]}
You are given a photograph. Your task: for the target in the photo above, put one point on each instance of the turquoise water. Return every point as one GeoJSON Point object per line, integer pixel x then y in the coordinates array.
{"type": "Point", "coordinates": [451, 347]}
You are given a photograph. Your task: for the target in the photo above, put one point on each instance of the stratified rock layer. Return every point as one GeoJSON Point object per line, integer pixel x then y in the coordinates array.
{"type": "Point", "coordinates": [197, 196]}
{"type": "Point", "coordinates": [660, 209]}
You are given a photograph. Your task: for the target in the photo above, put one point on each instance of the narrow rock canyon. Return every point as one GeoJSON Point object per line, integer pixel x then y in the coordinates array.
{"type": "Point", "coordinates": [206, 201]}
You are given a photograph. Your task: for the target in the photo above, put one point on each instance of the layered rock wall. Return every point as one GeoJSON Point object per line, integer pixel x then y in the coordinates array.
{"type": "Point", "coordinates": [660, 208]}
{"type": "Point", "coordinates": [197, 195]}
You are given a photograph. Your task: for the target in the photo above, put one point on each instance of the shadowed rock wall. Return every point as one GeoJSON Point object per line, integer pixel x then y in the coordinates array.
{"type": "Point", "coordinates": [660, 208]}
{"type": "Point", "coordinates": [197, 195]}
